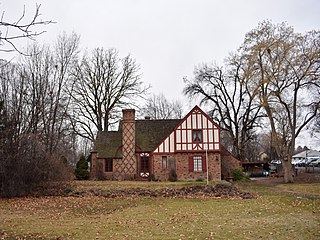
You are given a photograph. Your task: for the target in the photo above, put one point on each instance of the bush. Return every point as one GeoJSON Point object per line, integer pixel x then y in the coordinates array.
{"type": "Point", "coordinates": [81, 171]}
{"type": "Point", "coordinates": [173, 176]}
{"type": "Point", "coordinates": [152, 178]}
{"type": "Point", "coordinates": [27, 167]}
{"type": "Point", "coordinates": [200, 179]}
{"type": "Point", "coordinates": [238, 175]}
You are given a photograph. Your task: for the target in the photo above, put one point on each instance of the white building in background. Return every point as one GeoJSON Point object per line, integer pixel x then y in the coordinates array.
{"type": "Point", "coordinates": [307, 154]}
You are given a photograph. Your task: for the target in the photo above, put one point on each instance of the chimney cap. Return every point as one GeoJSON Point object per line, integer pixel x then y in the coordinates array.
{"type": "Point", "coordinates": [128, 110]}
{"type": "Point", "coordinates": [128, 115]}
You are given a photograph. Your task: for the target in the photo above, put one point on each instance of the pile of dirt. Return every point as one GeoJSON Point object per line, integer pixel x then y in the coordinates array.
{"type": "Point", "coordinates": [212, 191]}
{"type": "Point", "coordinates": [226, 191]}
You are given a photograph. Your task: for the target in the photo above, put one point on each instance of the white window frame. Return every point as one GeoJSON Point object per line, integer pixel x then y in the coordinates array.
{"type": "Point", "coordinates": [197, 163]}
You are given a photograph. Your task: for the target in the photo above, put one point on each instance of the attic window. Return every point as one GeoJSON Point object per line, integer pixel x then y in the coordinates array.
{"type": "Point", "coordinates": [197, 136]}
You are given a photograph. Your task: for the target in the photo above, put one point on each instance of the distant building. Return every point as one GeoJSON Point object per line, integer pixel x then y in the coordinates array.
{"type": "Point", "coordinates": [306, 154]}
{"type": "Point", "coordinates": [263, 157]}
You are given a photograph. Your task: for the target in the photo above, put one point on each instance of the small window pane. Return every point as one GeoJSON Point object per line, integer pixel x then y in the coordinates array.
{"type": "Point", "coordinates": [164, 162]}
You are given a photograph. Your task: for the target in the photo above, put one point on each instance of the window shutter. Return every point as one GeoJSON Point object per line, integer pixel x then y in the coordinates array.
{"type": "Point", "coordinates": [191, 164]}
{"type": "Point", "coordinates": [204, 164]}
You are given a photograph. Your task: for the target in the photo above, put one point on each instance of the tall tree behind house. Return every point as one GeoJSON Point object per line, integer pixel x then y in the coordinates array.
{"type": "Point", "coordinates": [285, 67]}
{"type": "Point", "coordinates": [103, 84]}
{"type": "Point", "coordinates": [234, 104]}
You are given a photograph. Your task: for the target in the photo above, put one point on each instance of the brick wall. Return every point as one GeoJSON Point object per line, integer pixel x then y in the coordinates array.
{"type": "Point", "coordinates": [118, 170]}
{"type": "Point", "coordinates": [181, 161]}
{"type": "Point", "coordinates": [116, 174]}
{"type": "Point", "coordinates": [228, 163]}
{"type": "Point", "coordinates": [93, 165]}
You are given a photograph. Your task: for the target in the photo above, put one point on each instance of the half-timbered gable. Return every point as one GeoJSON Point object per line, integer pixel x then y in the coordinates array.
{"type": "Point", "coordinates": [196, 132]}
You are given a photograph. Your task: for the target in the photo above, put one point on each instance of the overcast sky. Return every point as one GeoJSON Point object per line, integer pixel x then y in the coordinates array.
{"type": "Point", "coordinates": [168, 38]}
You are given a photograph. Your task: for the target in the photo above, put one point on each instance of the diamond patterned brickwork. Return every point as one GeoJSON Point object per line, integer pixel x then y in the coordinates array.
{"type": "Point", "coordinates": [128, 167]}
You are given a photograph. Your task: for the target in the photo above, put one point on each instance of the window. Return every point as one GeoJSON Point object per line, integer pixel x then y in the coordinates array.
{"type": "Point", "coordinates": [197, 163]}
{"type": "Point", "coordinates": [109, 165]}
{"type": "Point", "coordinates": [197, 136]}
{"type": "Point", "coordinates": [164, 162]}
{"type": "Point", "coordinates": [172, 166]}
{"type": "Point", "coordinates": [145, 163]}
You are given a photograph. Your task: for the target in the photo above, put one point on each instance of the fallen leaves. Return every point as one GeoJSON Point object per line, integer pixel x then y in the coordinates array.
{"type": "Point", "coordinates": [177, 213]}
{"type": "Point", "coordinates": [223, 191]}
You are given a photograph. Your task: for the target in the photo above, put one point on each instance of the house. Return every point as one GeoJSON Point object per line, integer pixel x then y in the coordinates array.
{"type": "Point", "coordinates": [306, 154]}
{"type": "Point", "coordinates": [262, 157]}
{"type": "Point", "coordinates": [143, 149]}
{"type": "Point", "coordinates": [305, 157]}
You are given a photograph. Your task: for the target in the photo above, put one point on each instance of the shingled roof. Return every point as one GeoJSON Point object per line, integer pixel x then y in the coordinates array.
{"type": "Point", "coordinates": [149, 134]}
{"type": "Point", "coordinates": [108, 144]}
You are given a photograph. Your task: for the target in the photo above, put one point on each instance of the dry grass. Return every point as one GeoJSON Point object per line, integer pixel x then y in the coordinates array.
{"type": "Point", "coordinates": [274, 215]}
{"type": "Point", "coordinates": [109, 185]}
{"type": "Point", "coordinates": [303, 188]}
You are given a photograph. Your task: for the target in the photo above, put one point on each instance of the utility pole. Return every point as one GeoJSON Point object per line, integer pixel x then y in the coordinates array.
{"type": "Point", "coordinates": [207, 166]}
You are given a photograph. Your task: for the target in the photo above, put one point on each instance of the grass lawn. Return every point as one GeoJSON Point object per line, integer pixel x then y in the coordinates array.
{"type": "Point", "coordinates": [280, 212]}
{"type": "Point", "coordinates": [109, 185]}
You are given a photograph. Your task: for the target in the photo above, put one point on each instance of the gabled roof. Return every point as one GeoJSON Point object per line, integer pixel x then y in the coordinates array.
{"type": "Point", "coordinates": [108, 144]}
{"type": "Point", "coordinates": [307, 153]}
{"type": "Point", "coordinates": [149, 133]}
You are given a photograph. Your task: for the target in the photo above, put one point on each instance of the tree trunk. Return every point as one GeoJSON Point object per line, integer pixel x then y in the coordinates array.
{"type": "Point", "coordinates": [287, 171]}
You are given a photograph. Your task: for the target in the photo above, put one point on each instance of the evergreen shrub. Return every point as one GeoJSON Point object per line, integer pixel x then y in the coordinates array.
{"type": "Point", "coordinates": [82, 172]}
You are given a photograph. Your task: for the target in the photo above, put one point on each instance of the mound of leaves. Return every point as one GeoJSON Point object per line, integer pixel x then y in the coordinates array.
{"type": "Point", "coordinates": [226, 191]}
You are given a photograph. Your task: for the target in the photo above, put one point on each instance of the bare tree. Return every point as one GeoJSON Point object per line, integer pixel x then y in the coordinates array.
{"type": "Point", "coordinates": [317, 125]}
{"type": "Point", "coordinates": [286, 68]}
{"type": "Point", "coordinates": [10, 32]}
{"type": "Point", "coordinates": [47, 77]}
{"type": "Point", "coordinates": [158, 107]}
{"type": "Point", "coordinates": [103, 83]}
{"type": "Point", "coordinates": [234, 105]}
{"type": "Point", "coordinates": [36, 131]}
{"type": "Point", "coordinates": [65, 55]}
{"type": "Point", "coordinates": [315, 129]}
{"type": "Point", "coordinates": [21, 150]}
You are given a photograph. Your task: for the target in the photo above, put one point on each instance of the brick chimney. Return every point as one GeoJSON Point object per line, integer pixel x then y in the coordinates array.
{"type": "Point", "coordinates": [93, 165]}
{"type": "Point", "coordinates": [129, 162]}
